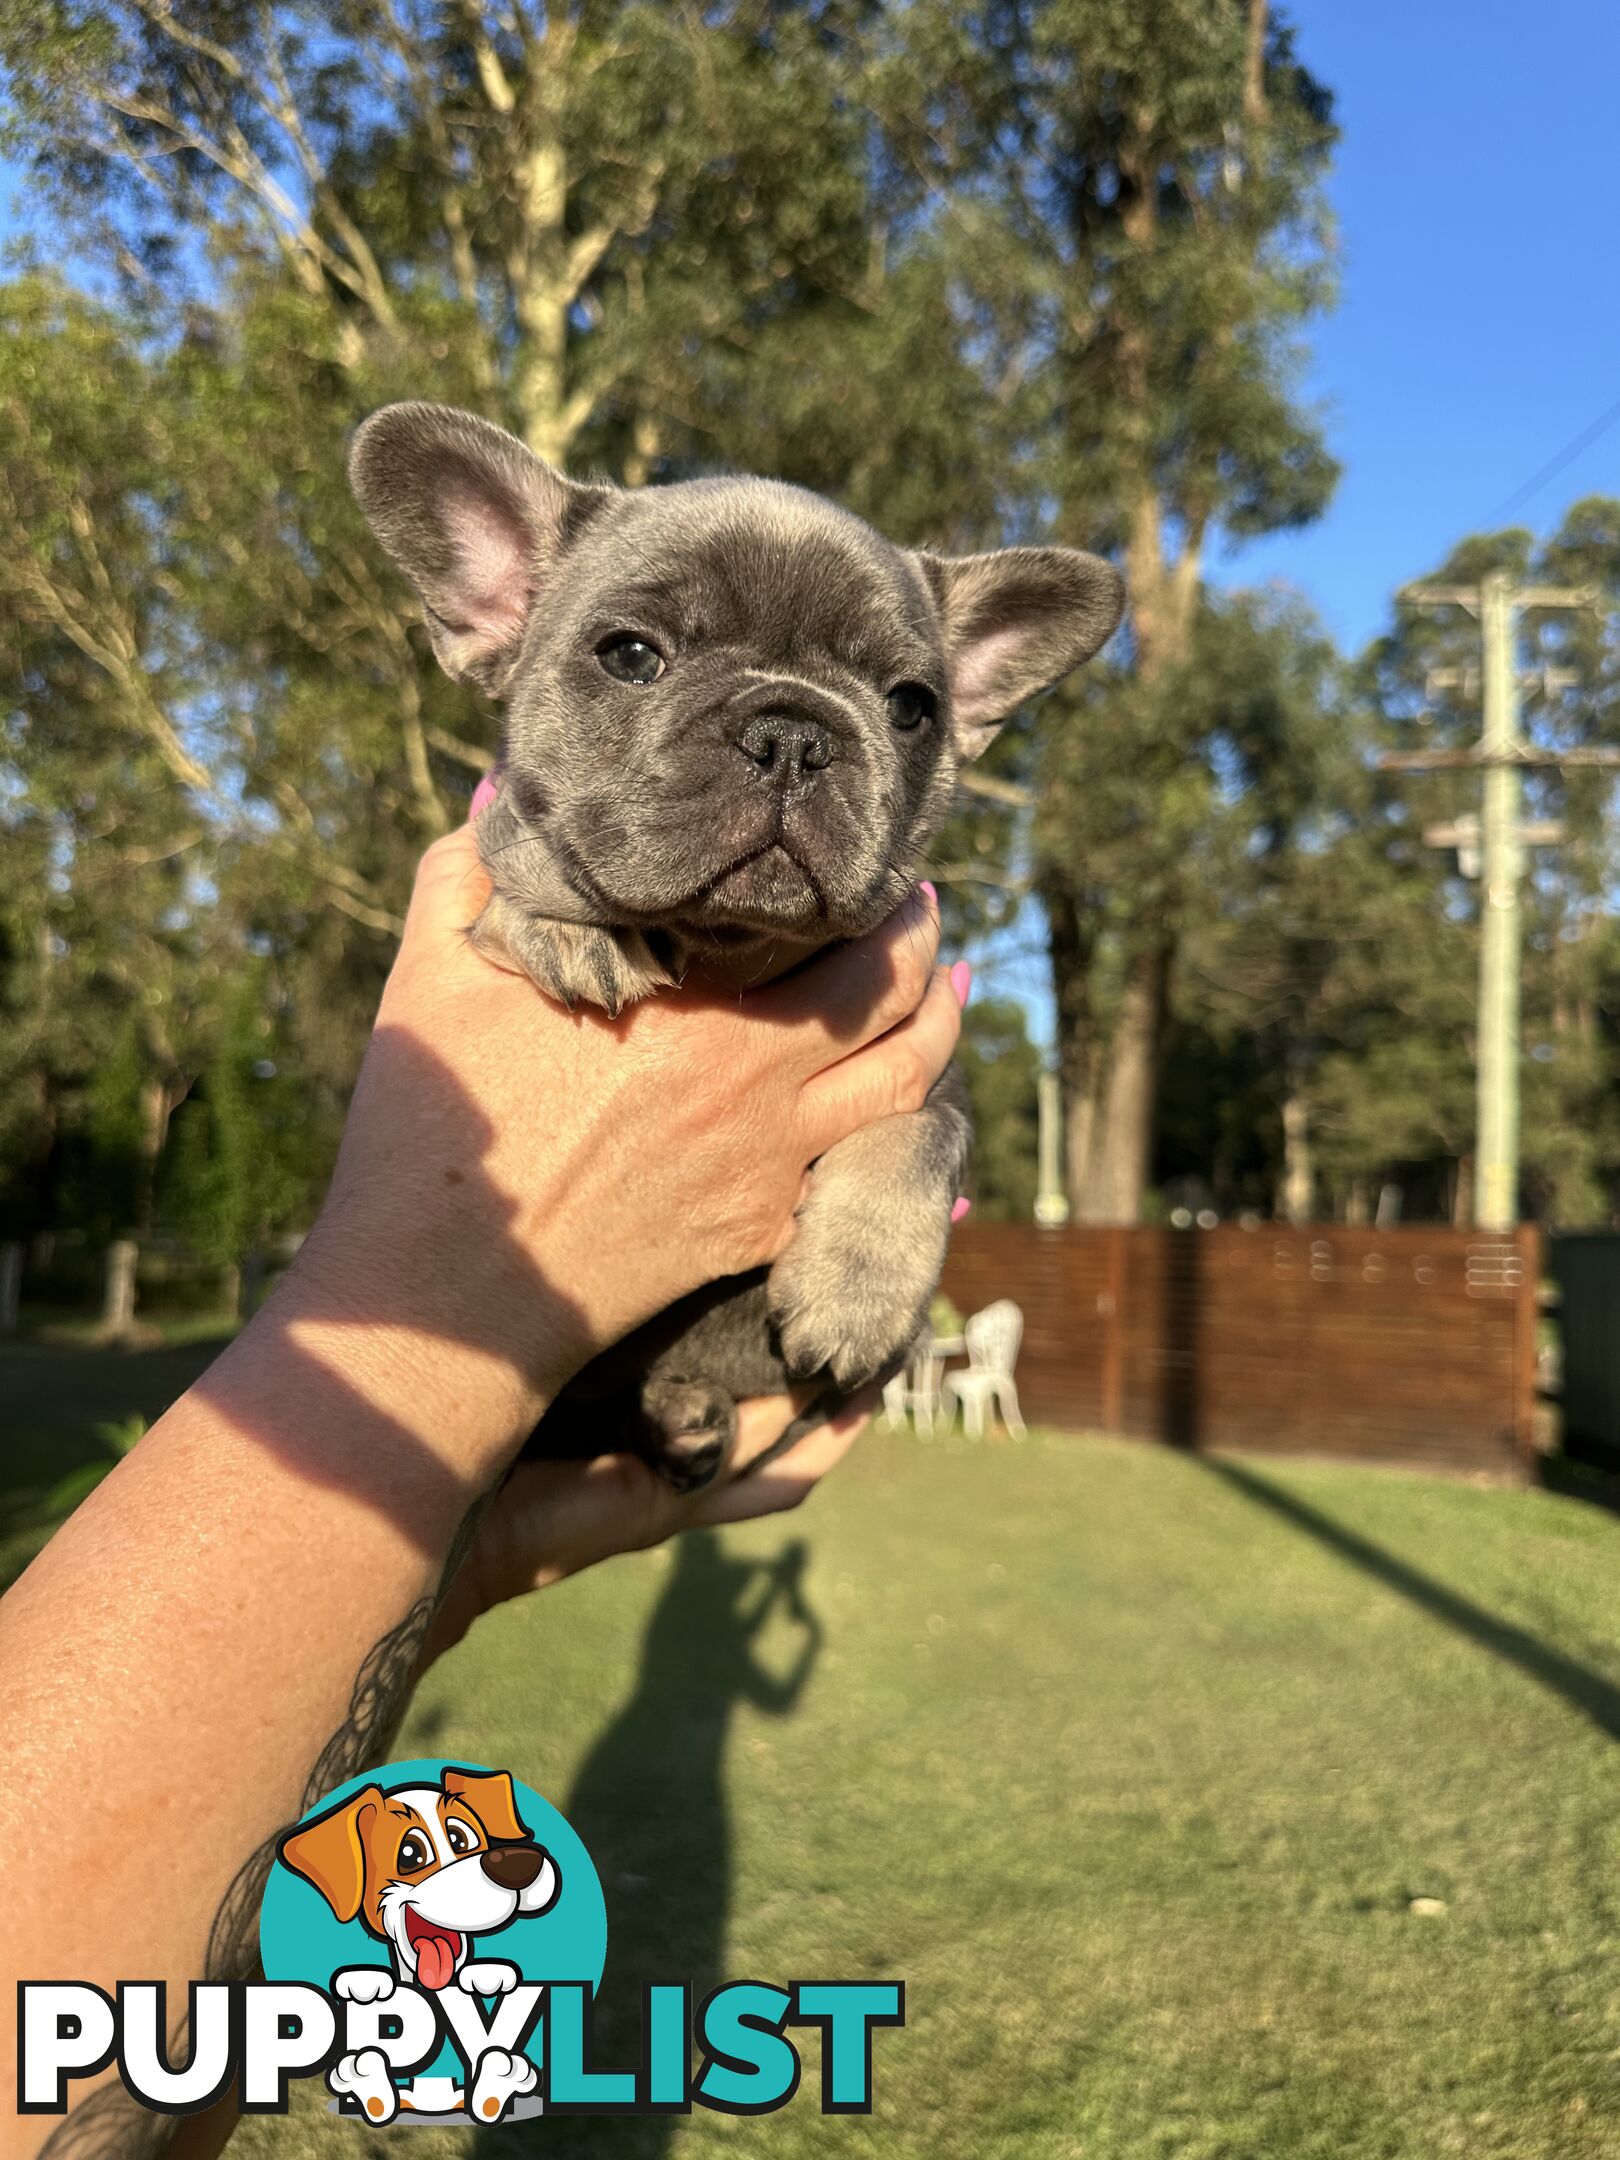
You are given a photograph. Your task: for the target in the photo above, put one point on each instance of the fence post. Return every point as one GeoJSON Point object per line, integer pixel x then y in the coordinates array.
{"type": "Point", "coordinates": [11, 1258]}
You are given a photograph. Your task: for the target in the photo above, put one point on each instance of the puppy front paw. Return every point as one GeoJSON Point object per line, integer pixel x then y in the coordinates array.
{"type": "Point", "coordinates": [576, 963]}
{"type": "Point", "coordinates": [363, 1984]}
{"type": "Point", "coordinates": [491, 1977]}
{"type": "Point", "coordinates": [852, 1291]}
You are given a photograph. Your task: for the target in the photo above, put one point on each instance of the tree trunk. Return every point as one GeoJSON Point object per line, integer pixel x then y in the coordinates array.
{"type": "Point", "coordinates": [160, 1098]}
{"type": "Point", "coordinates": [646, 446]}
{"type": "Point", "coordinates": [1111, 1088]}
{"type": "Point", "coordinates": [11, 1260]}
{"type": "Point", "coordinates": [1462, 1194]}
{"type": "Point", "coordinates": [118, 1323]}
{"type": "Point", "coordinates": [542, 305]}
{"type": "Point", "coordinates": [1114, 1172]}
{"type": "Point", "coordinates": [251, 1279]}
{"type": "Point", "coordinates": [1299, 1169]}
{"type": "Point", "coordinates": [1069, 946]}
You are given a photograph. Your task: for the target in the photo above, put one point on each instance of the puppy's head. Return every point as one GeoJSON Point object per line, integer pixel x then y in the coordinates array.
{"type": "Point", "coordinates": [426, 1868]}
{"type": "Point", "coordinates": [733, 710]}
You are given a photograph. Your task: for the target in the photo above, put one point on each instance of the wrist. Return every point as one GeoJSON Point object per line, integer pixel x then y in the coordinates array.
{"type": "Point", "coordinates": [462, 1368]}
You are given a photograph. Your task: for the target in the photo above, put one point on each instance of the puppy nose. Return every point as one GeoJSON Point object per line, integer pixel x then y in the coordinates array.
{"type": "Point", "coordinates": [786, 748]}
{"type": "Point", "coordinates": [514, 1867]}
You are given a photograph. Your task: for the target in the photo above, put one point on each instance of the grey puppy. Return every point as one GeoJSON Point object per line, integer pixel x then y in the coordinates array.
{"type": "Point", "coordinates": [734, 716]}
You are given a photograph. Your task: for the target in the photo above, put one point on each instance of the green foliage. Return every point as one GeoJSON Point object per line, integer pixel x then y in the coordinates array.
{"type": "Point", "coordinates": [1001, 1066]}
{"type": "Point", "coordinates": [1026, 271]}
{"type": "Point", "coordinates": [241, 1139]}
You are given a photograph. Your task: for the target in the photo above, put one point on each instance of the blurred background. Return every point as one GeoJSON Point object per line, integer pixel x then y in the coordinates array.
{"type": "Point", "coordinates": [1305, 314]}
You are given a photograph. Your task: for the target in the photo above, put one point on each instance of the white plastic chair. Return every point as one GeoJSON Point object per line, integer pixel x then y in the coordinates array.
{"type": "Point", "coordinates": [915, 1387]}
{"type": "Point", "coordinates": [992, 1338]}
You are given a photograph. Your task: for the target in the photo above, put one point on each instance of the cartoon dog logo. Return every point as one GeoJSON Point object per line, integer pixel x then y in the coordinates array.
{"type": "Point", "coordinates": [427, 1869]}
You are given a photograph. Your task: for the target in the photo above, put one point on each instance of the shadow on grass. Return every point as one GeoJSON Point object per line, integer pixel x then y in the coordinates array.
{"type": "Point", "coordinates": [650, 1803]}
{"type": "Point", "coordinates": [1598, 1486]}
{"type": "Point", "coordinates": [1581, 1687]}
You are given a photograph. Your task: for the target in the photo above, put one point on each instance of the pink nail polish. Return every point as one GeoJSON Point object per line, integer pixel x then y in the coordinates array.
{"type": "Point", "coordinates": [928, 889]}
{"type": "Point", "coordinates": [961, 981]}
{"type": "Point", "coordinates": [483, 795]}
{"type": "Point", "coordinates": [959, 1208]}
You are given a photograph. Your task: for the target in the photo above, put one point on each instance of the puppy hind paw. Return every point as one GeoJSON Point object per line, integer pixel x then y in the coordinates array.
{"type": "Point", "coordinates": [688, 1429]}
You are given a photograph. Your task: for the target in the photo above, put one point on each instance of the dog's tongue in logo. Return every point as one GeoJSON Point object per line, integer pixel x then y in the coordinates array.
{"type": "Point", "coordinates": [436, 1950]}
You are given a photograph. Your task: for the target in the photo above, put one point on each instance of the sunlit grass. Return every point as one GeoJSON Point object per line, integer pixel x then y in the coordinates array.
{"type": "Point", "coordinates": [1208, 1811]}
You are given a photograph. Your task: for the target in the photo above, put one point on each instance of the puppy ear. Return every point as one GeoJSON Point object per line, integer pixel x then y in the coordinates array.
{"type": "Point", "coordinates": [329, 1853]}
{"type": "Point", "coordinates": [493, 1800]}
{"type": "Point", "coordinates": [1017, 622]}
{"type": "Point", "coordinates": [475, 521]}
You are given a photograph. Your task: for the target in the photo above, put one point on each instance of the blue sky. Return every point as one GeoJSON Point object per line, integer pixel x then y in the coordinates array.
{"type": "Point", "coordinates": [1477, 188]}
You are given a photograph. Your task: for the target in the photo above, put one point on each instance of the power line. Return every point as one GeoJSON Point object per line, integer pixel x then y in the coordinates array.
{"type": "Point", "coordinates": [1555, 465]}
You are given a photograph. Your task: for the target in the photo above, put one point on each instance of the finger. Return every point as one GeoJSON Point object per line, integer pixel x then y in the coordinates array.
{"type": "Point", "coordinates": [857, 991]}
{"type": "Point", "coordinates": [889, 1077]}
{"type": "Point", "coordinates": [451, 886]}
{"type": "Point", "coordinates": [761, 1422]}
{"type": "Point", "coordinates": [795, 1473]}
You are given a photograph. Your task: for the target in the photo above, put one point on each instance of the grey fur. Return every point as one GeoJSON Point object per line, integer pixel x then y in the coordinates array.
{"type": "Point", "coordinates": [757, 800]}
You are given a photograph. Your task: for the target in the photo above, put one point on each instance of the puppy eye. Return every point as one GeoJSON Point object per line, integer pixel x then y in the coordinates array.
{"type": "Point", "coordinates": [910, 704]}
{"type": "Point", "coordinates": [413, 1852]}
{"type": "Point", "coordinates": [460, 1837]}
{"type": "Point", "coordinates": [631, 660]}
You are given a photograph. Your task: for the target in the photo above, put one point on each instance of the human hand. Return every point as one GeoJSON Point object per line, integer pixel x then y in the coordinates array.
{"type": "Point", "coordinates": [552, 1519]}
{"type": "Point", "coordinates": [532, 1183]}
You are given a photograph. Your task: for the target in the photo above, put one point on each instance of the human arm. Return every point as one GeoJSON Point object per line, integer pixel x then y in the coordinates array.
{"type": "Point", "coordinates": [231, 1624]}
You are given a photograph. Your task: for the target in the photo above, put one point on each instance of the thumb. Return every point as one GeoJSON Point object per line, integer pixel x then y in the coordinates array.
{"type": "Point", "coordinates": [451, 886]}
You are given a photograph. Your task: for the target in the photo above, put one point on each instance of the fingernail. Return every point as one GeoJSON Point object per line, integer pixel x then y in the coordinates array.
{"type": "Point", "coordinates": [483, 795]}
{"type": "Point", "coordinates": [961, 981]}
{"type": "Point", "coordinates": [925, 887]}
{"type": "Point", "coordinates": [959, 1208]}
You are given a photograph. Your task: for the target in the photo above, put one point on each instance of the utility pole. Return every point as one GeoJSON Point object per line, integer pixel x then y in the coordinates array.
{"type": "Point", "coordinates": [1497, 841]}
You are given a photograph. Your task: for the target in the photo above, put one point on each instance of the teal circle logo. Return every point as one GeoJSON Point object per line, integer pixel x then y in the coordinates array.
{"type": "Point", "coordinates": [436, 1900]}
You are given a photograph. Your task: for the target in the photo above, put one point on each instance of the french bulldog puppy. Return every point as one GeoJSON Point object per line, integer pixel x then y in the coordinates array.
{"type": "Point", "coordinates": [734, 716]}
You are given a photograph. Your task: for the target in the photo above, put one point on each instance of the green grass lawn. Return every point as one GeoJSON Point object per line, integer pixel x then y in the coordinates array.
{"type": "Point", "coordinates": [1132, 1766]}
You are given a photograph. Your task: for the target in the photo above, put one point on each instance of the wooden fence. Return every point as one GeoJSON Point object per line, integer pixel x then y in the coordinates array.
{"type": "Point", "coordinates": [1408, 1345]}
